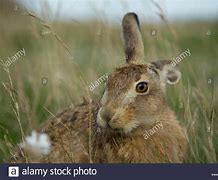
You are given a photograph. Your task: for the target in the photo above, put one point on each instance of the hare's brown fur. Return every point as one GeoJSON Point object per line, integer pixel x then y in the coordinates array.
{"type": "Point", "coordinates": [70, 136]}
{"type": "Point", "coordinates": [120, 119]}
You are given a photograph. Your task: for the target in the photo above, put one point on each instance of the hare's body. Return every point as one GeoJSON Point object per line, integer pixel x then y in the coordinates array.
{"type": "Point", "coordinates": [69, 134]}
{"type": "Point", "coordinates": [114, 129]}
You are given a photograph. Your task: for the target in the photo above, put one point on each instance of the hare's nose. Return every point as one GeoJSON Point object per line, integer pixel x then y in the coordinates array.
{"type": "Point", "coordinates": [107, 114]}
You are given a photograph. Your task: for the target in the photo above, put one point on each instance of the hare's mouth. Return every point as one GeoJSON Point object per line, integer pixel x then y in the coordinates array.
{"type": "Point", "coordinates": [117, 124]}
{"type": "Point", "coordinates": [106, 125]}
{"type": "Point", "coordinates": [127, 128]}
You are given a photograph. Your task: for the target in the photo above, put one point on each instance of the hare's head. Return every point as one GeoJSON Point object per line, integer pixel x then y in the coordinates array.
{"type": "Point", "coordinates": [134, 94]}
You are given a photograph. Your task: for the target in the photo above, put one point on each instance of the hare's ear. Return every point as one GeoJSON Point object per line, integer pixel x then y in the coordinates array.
{"type": "Point", "coordinates": [133, 43]}
{"type": "Point", "coordinates": [168, 73]}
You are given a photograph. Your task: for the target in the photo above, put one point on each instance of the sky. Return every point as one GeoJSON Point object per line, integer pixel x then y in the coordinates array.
{"type": "Point", "coordinates": [113, 10]}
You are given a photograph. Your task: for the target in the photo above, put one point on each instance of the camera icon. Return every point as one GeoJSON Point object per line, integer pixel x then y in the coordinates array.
{"type": "Point", "coordinates": [13, 171]}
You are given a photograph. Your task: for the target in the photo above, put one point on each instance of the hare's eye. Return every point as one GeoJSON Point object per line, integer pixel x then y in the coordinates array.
{"type": "Point", "coordinates": [142, 87]}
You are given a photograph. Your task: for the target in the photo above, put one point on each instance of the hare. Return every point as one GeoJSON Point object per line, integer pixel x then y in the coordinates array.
{"type": "Point", "coordinates": [132, 123]}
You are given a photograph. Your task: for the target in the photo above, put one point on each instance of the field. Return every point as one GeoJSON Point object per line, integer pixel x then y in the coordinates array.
{"type": "Point", "coordinates": [62, 59]}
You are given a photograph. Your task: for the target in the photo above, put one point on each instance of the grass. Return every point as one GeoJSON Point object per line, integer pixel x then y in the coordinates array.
{"type": "Point", "coordinates": [97, 48]}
